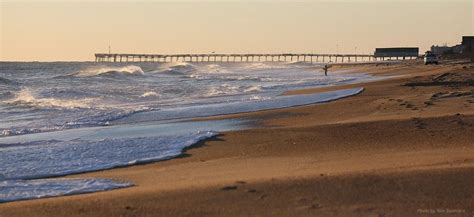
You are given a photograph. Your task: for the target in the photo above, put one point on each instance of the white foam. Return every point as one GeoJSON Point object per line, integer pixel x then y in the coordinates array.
{"type": "Point", "coordinates": [256, 88]}
{"type": "Point", "coordinates": [228, 89]}
{"type": "Point", "coordinates": [223, 89]}
{"type": "Point", "coordinates": [55, 158]}
{"type": "Point", "coordinates": [181, 64]}
{"type": "Point", "coordinates": [13, 190]}
{"type": "Point", "coordinates": [215, 68]}
{"type": "Point", "coordinates": [87, 149]}
{"type": "Point", "coordinates": [258, 97]}
{"type": "Point", "coordinates": [126, 70]}
{"type": "Point", "coordinates": [49, 158]}
{"type": "Point", "coordinates": [94, 118]}
{"type": "Point", "coordinates": [259, 65]}
{"type": "Point", "coordinates": [223, 108]}
{"type": "Point", "coordinates": [83, 150]}
{"type": "Point", "coordinates": [181, 68]}
{"type": "Point", "coordinates": [150, 94]}
{"type": "Point", "coordinates": [25, 97]}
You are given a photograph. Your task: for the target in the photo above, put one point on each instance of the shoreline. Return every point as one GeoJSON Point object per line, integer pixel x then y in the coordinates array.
{"type": "Point", "coordinates": [280, 103]}
{"type": "Point", "coordinates": [360, 138]}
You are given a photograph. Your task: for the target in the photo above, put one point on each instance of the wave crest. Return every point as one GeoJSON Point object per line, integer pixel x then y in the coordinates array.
{"type": "Point", "coordinates": [150, 94]}
{"type": "Point", "coordinates": [181, 68]}
{"type": "Point", "coordinates": [254, 88]}
{"type": "Point", "coordinates": [259, 65]}
{"type": "Point", "coordinates": [215, 68]}
{"type": "Point", "coordinates": [25, 97]}
{"type": "Point", "coordinates": [126, 70]}
{"type": "Point", "coordinates": [227, 89]}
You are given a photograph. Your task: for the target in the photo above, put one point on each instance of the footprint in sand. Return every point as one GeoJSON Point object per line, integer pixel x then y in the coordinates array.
{"type": "Point", "coordinates": [229, 188]}
{"type": "Point", "coordinates": [233, 187]}
{"type": "Point", "coordinates": [252, 191]}
{"type": "Point", "coordinates": [419, 124]}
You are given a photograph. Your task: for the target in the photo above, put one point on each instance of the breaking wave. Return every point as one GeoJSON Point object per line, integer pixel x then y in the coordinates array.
{"type": "Point", "coordinates": [227, 89]}
{"type": "Point", "coordinates": [257, 97]}
{"type": "Point", "coordinates": [260, 65]}
{"type": "Point", "coordinates": [25, 97]}
{"type": "Point", "coordinates": [180, 68]}
{"type": "Point", "coordinates": [223, 90]}
{"type": "Point", "coordinates": [215, 68]}
{"type": "Point", "coordinates": [256, 88]}
{"type": "Point", "coordinates": [150, 94]}
{"type": "Point", "coordinates": [126, 70]}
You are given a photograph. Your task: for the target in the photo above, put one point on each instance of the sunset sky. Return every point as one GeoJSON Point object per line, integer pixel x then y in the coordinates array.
{"type": "Point", "coordinates": [75, 30]}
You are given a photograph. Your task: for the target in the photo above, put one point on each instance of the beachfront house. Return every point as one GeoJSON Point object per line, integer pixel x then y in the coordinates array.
{"type": "Point", "coordinates": [468, 46]}
{"type": "Point", "coordinates": [462, 50]}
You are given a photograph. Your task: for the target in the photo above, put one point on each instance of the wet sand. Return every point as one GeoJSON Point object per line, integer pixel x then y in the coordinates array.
{"type": "Point", "coordinates": [403, 147]}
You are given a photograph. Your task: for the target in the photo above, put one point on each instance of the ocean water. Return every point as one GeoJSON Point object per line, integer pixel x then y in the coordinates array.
{"type": "Point", "coordinates": [65, 118]}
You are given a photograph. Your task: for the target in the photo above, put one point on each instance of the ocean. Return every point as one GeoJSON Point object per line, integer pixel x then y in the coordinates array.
{"type": "Point", "coordinates": [65, 118]}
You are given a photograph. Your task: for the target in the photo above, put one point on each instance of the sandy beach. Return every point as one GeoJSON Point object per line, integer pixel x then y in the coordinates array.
{"type": "Point", "coordinates": [402, 147]}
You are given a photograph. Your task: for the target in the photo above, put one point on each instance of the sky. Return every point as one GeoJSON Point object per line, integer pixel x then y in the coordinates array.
{"type": "Point", "coordinates": [72, 30]}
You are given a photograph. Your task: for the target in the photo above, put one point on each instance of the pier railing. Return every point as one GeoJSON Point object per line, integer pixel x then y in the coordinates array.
{"type": "Point", "coordinates": [337, 58]}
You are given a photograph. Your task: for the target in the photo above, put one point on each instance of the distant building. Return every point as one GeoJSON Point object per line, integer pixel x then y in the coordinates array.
{"type": "Point", "coordinates": [397, 52]}
{"type": "Point", "coordinates": [467, 43]}
{"type": "Point", "coordinates": [468, 46]}
{"type": "Point", "coordinates": [464, 48]}
{"type": "Point", "coordinates": [442, 50]}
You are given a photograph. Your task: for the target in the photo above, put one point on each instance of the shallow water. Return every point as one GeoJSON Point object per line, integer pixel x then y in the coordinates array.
{"type": "Point", "coordinates": [39, 97]}
{"type": "Point", "coordinates": [65, 118]}
{"type": "Point", "coordinates": [14, 190]}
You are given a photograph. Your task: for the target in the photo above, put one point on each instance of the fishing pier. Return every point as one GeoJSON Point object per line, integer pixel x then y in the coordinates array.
{"type": "Point", "coordinates": [288, 57]}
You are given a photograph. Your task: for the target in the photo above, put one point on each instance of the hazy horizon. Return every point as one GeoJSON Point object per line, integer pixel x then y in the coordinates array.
{"type": "Point", "coordinates": [74, 31]}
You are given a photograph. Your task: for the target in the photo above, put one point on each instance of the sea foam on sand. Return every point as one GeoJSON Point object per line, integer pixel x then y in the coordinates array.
{"type": "Point", "coordinates": [139, 138]}
{"type": "Point", "coordinates": [13, 190]}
